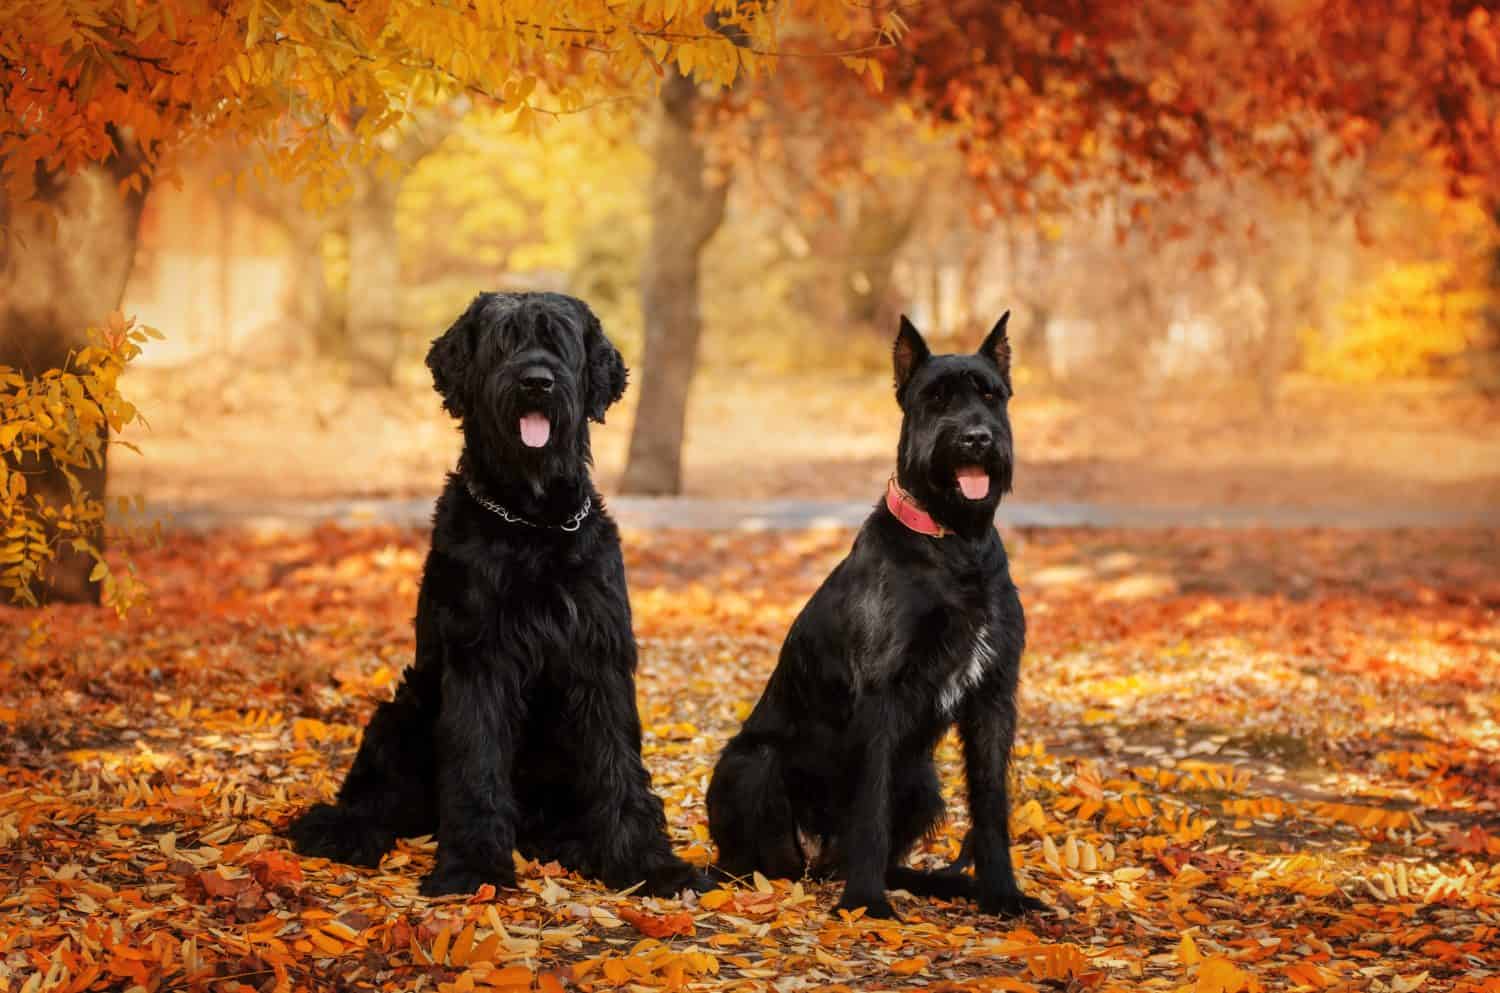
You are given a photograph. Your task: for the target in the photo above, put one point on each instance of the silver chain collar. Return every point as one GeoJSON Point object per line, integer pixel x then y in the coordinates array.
{"type": "Point", "coordinates": [571, 524]}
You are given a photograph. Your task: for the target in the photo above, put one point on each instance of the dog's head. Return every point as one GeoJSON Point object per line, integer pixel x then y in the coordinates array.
{"type": "Point", "coordinates": [956, 455]}
{"type": "Point", "coordinates": [525, 372]}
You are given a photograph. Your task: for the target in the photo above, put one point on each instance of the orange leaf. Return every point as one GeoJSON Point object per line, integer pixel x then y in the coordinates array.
{"type": "Point", "coordinates": [911, 966]}
{"type": "Point", "coordinates": [511, 975]}
{"type": "Point", "coordinates": [440, 946]}
{"type": "Point", "coordinates": [659, 926]}
{"type": "Point", "coordinates": [463, 947]}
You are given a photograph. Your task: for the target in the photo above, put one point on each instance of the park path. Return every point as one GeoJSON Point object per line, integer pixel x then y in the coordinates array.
{"type": "Point", "coordinates": [653, 513]}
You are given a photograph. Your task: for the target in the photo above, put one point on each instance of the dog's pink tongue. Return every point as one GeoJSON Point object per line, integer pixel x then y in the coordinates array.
{"type": "Point", "coordinates": [974, 482]}
{"type": "Point", "coordinates": [535, 430]}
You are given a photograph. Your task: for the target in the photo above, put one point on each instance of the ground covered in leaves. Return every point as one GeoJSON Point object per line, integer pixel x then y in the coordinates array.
{"type": "Point", "coordinates": [1248, 761]}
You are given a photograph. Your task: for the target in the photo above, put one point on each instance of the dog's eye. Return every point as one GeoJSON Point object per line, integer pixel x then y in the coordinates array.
{"type": "Point", "coordinates": [989, 396]}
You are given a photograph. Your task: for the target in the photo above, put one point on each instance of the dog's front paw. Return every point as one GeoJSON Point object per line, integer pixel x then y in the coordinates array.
{"type": "Point", "coordinates": [875, 906]}
{"type": "Point", "coordinates": [672, 879]}
{"type": "Point", "coordinates": [1010, 903]}
{"type": "Point", "coordinates": [451, 879]}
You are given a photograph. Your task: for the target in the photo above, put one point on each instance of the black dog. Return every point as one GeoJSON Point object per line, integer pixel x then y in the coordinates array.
{"type": "Point", "coordinates": [516, 726]}
{"type": "Point", "coordinates": [920, 625]}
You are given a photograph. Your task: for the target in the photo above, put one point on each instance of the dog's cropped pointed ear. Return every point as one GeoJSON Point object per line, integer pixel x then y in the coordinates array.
{"type": "Point", "coordinates": [909, 352]}
{"type": "Point", "coordinates": [996, 347]}
{"type": "Point", "coordinates": [606, 372]}
{"type": "Point", "coordinates": [449, 359]}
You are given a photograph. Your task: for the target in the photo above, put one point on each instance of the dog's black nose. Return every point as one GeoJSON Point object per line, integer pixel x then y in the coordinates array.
{"type": "Point", "coordinates": [976, 439]}
{"type": "Point", "coordinates": [537, 380]}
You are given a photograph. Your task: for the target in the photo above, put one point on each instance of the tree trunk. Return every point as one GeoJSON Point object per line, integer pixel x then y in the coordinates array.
{"type": "Point", "coordinates": [372, 322]}
{"type": "Point", "coordinates": [685, 212]}
{"type": "Point", "coordinates": [879, 233]}
{"type": "Point", "coordinates": [56, 281]}
{"type": "Point", "coordinates": [310, 299]}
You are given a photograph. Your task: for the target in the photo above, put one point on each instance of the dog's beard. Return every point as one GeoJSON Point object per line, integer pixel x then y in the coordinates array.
{"type": "Point", "coordinates": [529, 443]}
{"type": "Point", "coordinates": [947, 482]}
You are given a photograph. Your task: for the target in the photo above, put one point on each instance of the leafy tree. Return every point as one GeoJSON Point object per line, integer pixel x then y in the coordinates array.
{"type": "Point", "coordinates": [1054, 102]}
{"type": "Point", "coordinates": [97, 97]}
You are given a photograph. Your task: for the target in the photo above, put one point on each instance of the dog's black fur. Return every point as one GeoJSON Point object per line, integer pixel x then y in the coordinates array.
{"type": "Point", "coordinates": [907, 634]}
{"type": "Point", "coordinates": [516, 725]}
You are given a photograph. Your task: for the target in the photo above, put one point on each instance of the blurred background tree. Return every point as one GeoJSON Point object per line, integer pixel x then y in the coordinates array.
{"type": "Point", "coordinates": [1210, 195]}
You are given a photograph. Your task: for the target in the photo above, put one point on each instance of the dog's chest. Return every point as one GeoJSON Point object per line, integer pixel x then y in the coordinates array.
{"type": "Point", "coordinates": [969, 671]}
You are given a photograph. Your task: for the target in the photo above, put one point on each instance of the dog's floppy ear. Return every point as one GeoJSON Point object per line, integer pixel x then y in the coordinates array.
{"type": "Point", "coordinates": [449, 359]}
{"type": "Point", "coordinates": [909, 352]}
{"type": "Point", "coordinates": [996, 348]}
{"type": "Point", "coordinates": [605, 373]}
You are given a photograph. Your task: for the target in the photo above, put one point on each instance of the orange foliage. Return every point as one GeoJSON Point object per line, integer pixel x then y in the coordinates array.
{"type": "Point", "coordinates": [1048, 92]}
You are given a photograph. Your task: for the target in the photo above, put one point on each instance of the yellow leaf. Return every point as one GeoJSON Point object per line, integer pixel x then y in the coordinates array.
{"type": "Point", "coordinates": [1219, 975]}
{"type": "Point", "coordinates": [715, 900]}
{"type": "Point", "coordinates": [1405, 984]}
{"type": "Point", "coordinates": [1187, 950]}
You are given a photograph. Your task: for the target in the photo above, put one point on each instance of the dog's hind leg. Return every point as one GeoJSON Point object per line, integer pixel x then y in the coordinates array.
{"type": "Point", "coordinates": [917, 810]}
{"type": "Point", "coordinates": [386, 794]}
{"type": "Point", "coordinates": [750, 813]}
{"type": "Point", "coordinates": [917, 807]}
{"type": "Point", "coordinates": [945, 884]}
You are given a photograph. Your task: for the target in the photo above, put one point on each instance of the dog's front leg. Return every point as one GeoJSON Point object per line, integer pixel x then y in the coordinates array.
{"type": "Point", "coordinates": [476, 731]}
{"type": "Point", "coordinates": [627, 828]}
{"type": "Point", "coordinates": [868, 834]}
{"type": "Point", "coordinates": [988, 728]}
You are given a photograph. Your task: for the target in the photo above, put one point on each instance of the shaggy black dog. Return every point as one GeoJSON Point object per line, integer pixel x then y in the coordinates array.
{"type": "Point", "coordinates": [918, 627]}
{"type": "Point", "coordinates": [516, 725]}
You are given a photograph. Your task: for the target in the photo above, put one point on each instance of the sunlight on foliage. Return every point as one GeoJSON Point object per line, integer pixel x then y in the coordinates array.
{"type": "Point", "coordinates": [566, 210]}
{"type": "Point", "coordinates": [64, 416]}
{"type": "Point", "coordinates": [1403, 325]}
{"type": "Point", "coordinates": [317, 83]}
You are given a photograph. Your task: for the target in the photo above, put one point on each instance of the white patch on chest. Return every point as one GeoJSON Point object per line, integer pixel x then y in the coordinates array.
{"type": "Point", "coordinates": [968, 676]}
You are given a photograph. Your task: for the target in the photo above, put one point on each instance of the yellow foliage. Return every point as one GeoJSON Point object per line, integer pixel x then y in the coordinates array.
{"type": "Point", "coordinates": [318, 82]}
{"type": "Point", "coordinates": [63, 416]}
{"type": "Point", "coordinates": [1400, 326]}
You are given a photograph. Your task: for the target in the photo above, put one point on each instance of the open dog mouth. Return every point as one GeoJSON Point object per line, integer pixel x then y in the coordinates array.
{"type": "Point", "coordinates": [535, 430]}
{"type": "Point", "coordinates": [973, 482]}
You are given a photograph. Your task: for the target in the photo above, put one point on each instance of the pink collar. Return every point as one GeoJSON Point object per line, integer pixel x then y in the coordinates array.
{"type": "Point", "coordinates": [904, 507]}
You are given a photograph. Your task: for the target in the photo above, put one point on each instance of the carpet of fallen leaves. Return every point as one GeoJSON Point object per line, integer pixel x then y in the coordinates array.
{"type": "Point", "coordinates": [1247, 761]}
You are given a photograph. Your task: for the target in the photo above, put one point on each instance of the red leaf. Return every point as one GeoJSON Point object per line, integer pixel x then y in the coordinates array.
{"type": "Point", "coordinates": [215, 885]}
{"type": "Point", "coordinates": [276, 871]}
